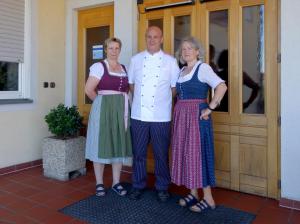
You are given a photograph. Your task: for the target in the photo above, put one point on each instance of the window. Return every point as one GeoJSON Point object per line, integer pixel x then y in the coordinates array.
{"type": "Point", "coordinates": [14, 40]}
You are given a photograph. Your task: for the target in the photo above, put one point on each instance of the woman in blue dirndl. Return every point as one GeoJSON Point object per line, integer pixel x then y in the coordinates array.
{"type": "Point", "coordinates": [192, 136]}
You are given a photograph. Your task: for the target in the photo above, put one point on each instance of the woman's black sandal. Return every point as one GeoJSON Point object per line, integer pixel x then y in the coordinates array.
{"type": "Point", "coordinates": [202, 206]}
{"type": "Point", "coordinates": [119, 189]}
{"type": "Point", "coordinates": [189, 200]}
{"type": "Point", "coordinates": [100, 190]}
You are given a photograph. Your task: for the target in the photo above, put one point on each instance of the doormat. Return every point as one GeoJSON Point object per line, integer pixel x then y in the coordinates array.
{"type": "Point", "coordinates": [113, 209]}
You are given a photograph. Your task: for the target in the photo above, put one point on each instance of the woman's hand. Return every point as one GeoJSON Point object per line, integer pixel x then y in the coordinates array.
{"type": "Point", "coordinates": [205, 114]}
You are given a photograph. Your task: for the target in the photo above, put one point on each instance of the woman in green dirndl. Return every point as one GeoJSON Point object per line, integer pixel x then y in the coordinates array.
{"type": "Point", "coordinates": [108, 135]}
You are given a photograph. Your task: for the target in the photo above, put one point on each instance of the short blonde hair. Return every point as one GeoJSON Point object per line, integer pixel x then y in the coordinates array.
{"type": "Point", "coordinates": [195, 45]}
{"type": "Point", "coordinates": [110, 40]}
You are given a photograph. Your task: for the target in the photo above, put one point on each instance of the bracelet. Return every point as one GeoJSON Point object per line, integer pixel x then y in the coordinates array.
{"type": "Point", "coordinates": [210, 108]}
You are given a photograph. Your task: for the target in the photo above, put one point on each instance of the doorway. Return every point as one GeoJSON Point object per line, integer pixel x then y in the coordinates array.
{"type": "Point", "coordinates": [94, 27]}
{"type": "Point", "coordinates": [240, 38]}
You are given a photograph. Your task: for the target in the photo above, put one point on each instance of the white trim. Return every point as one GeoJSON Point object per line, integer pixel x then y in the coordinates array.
{"type": "Point", "coordinates": [17, 94]}
{"type": "Point", "coordinates": [26, 84]}
{"type": "Point", "coordinates": [149, 8]}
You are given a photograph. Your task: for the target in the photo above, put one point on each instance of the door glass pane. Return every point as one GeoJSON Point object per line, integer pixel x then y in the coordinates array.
{"type": "Point", "coordinates": [182, 28]}
{"type": "Point", "coordinates": [95, 38]}
{"type": "Point", "coordinates": [253, 60]}
{"type": "Point", "coordinates": [9, 76]}
{"type": "Point", "coordinates": [156, 22]}
{"type": "Point", "coordinates": [218, 49]}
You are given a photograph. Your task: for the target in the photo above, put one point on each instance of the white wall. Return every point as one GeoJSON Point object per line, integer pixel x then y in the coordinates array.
{"type": "Point", "coordinates": [126, 28]}
{"type": "Point", "coordinates": [290, 100]}
{"type": "Point", "coordinates": [22, 126]}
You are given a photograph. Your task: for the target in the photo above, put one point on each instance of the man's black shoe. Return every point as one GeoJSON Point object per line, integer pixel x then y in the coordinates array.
{"type": "Point", "coordinates": [135, 194]}
{"type": "Point", "coordinates": [163, 196]}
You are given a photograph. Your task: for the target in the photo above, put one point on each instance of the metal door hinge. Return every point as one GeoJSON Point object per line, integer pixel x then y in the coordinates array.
{"type": "Point", "coordinates": [279, 58]}
{"type": "Point", "coordinates": [279, 121]}
{"type": "Point", "coordinates": [279, 184]}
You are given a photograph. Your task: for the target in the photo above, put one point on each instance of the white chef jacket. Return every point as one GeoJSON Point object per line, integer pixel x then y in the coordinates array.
{"type": "Point", "coordinates": [153, 77]}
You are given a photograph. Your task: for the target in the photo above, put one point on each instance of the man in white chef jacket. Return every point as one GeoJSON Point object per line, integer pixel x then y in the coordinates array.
{"type": "Point", "coordinates": [152, 77]}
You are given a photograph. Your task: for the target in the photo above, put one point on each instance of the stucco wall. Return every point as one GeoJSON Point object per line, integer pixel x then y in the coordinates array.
{"type": "Point", "coordinates": [22, 127]}
{"type": "Point", "coordinates": [290, 100]}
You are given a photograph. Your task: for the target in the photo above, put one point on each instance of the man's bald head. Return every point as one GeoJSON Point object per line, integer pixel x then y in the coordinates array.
{"type": "Point", "coordinates": [154, 39]}
{"type": "Point", "coordinates": [154, 29]}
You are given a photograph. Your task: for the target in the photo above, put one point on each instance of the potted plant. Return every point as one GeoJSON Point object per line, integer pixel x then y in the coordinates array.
{"type": "Point", "coordinates": [63, 153]}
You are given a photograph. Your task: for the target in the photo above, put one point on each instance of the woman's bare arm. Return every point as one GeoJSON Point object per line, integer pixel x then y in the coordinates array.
{"type": "Point", "coordinates": [90, 87]}
{"type": "Point", "coordinates": [215, 101]}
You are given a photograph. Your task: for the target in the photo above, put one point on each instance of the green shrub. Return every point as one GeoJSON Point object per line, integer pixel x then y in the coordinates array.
{"type": "Point", "coordinates": [64, 122]}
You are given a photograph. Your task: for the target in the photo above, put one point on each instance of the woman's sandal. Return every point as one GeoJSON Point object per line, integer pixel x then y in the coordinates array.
{"type": "Point", "coordinates": [119, 189]}
{"type": "Point", "coordinates": [202, 206]}
{"type": "Point", "coordinates": [100, 190]}
{"type": "Point", "coordinates": [188, 201]}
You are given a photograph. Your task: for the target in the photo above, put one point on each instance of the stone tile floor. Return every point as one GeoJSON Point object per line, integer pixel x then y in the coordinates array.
{"type": "Point", "coordinates": [28, 197]}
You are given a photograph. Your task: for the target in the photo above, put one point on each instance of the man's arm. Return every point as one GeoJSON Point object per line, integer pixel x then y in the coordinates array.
{"type": "Point", "coordinates": [249, 82]}
{"type": "Point", "coordinates": [174, 77]}
{"type": "Point", "coordinates": [131, 77]}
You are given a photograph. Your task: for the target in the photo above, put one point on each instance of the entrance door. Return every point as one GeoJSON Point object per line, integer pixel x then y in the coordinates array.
{"type": "Point", "coordinates": [240, 38]}
{"type": "Point", "coordinates": [94, 27]}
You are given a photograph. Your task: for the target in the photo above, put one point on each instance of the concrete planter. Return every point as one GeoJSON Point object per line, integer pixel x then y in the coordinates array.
{"type": "Point", "coordinates": [63, 158]}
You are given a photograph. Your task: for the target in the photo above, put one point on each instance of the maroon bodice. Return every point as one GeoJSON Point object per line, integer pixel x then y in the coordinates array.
{"type": "Point", "coordinates": [111, 82]}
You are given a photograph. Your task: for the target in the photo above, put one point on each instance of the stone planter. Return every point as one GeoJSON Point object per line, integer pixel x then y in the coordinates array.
{"type": "Point", "coordinates": [63, 158]}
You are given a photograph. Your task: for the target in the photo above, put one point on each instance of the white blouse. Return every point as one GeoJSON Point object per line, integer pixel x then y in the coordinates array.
{"type": "Point", "coordinates": [205, 75]}
{"type": "Point", "coordinates": [97, 70]}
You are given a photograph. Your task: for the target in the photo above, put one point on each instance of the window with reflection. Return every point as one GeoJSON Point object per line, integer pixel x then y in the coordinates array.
{"type": "Point", "coordinates": [253, 65]}
{"type": "Point", "coordinates": [9, 76]}
{"type": "Point", "coordinates": [156, 22]}
{"type": "Point", "coordinates": [182, 29]}
{"type": "Point", "coordinates": [95, 38]}
{"type": "Point", "coordinates": [218, 49]}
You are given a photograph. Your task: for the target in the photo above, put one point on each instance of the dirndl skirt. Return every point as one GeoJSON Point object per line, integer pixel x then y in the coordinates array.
{"type": "Point", "coordinates": [192, 146]}
{"type": "Point", "coordinates": [108, 141]}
